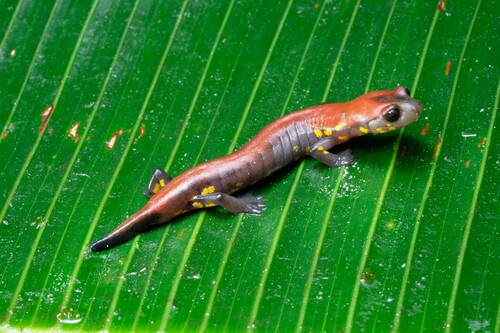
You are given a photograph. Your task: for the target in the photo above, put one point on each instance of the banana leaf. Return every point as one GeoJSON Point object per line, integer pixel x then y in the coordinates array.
{"type": "Point", "coordinates": [95, 95]}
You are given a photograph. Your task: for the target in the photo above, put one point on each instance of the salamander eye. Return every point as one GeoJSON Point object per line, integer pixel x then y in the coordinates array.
{"type": "Point", "coordinates": [392, 115]}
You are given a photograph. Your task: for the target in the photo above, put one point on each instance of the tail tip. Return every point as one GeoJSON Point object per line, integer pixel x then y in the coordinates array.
{"type": "Point", "coordinates": [99, 246]}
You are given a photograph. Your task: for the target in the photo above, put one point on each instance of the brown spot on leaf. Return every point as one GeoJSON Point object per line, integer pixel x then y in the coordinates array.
{"type": "Point", "coordinates": [73, 132]}
{"type": "Point", "coordinates": [442, 5]}
{"type": "Point", "coordinates": [45, 117]}
{"type": "Point", "coordinates": [467, 164]}
{"type": "Point", "coordinates": [4, 134]}
{"type": "Point", "coordinates": [142, 131]}
{"type": "Point", "coordinates": [111, 143]}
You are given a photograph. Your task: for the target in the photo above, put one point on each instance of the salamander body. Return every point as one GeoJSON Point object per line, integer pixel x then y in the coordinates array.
{"type": "Point", "coordinates": [312, 131]}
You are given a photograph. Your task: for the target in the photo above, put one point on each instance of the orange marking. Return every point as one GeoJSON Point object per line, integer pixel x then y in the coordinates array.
{"type": "Point", "coordinates": [467, 164]}
{"type": "Point", "coordinates": [438, 144]}
{"type": "Point", "coordinates": [425, 130]}
{"type": "Point", "coordinates": [483, 141]}
{"type": "Point", "coordinates": [448, 67]}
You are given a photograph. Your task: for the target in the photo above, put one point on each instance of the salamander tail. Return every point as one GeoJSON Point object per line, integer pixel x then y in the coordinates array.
{"type": "Point", "coordinates": [127, 230]}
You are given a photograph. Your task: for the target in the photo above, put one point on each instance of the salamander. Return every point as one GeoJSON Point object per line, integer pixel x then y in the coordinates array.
{"type": "Point", "coordinates": [312, 131]}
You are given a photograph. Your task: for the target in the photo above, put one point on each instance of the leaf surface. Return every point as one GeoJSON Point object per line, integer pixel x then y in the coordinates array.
{"type": "Point", "coordinates": [96, 95]}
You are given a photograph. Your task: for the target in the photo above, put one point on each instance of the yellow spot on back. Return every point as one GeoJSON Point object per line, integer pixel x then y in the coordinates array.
{"type": "Point", "coordinates": [339, 127]}
{"type": "Point", "coordinates": [210, 205]}
{"type": "Point", "coordinates": [295, 148]}
{"type": "Point", "coordinates": [197, 205]}
{"type": "Point", "coordinates": [343, 137]}
{"type": "Point", "coordinates": [208, 190]}
{"type": "Point", "coordinates": [364, 129]}
{"type": "Point", "coordinates": [380, 130]}
{"type": "Point", "coordinates": [327, 132]}
{"type": "Point", "coordinates": [318, 133]}
{"type": "Point", "coordinates": [320, 148]}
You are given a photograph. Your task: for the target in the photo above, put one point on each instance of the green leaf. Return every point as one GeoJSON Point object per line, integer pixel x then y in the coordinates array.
{"type": "Point", "coordinates": [97, 94]}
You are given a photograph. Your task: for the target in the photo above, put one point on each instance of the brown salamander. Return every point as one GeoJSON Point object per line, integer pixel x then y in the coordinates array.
{"type": "Point", "coordinates": [312, 131]}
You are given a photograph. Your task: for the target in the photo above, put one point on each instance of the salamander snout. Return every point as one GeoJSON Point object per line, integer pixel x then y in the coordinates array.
{"type": "Point", "coordinates": [397, 111]}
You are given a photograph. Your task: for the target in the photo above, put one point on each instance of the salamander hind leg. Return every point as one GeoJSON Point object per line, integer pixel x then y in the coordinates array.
{"type": "Point", "coordinates": [343, 158]}
{"type": "Point", "coordinates": [244, 204]}
{"type": "Point", "coordinates": [158, 180]}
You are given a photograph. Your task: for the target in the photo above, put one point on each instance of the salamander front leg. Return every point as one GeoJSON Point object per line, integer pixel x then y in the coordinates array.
{"type": "Point", "coordinates": [158, 180]}
{"type": "Point", "coordinates": [320, 152]}
{"type": "Point", "coordinates": [244, 204]}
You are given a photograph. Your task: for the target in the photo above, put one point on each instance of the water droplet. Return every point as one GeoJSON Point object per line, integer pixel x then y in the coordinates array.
{"type": "Point", "coordinates": [368, 278]}
{"type": "Point", "coordinates": [69, 316]}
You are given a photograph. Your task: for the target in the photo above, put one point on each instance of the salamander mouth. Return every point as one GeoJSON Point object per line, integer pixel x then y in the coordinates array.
{"type": "Point", "coordinates": [412, 115]}
{"type": "Point", "coordinates": [418, 107]}
{"type": "Point", "coordinates": [410, 111]}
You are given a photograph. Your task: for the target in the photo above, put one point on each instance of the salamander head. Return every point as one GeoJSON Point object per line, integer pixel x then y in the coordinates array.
{"type": "Point", "coordinates": [389, 110]}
